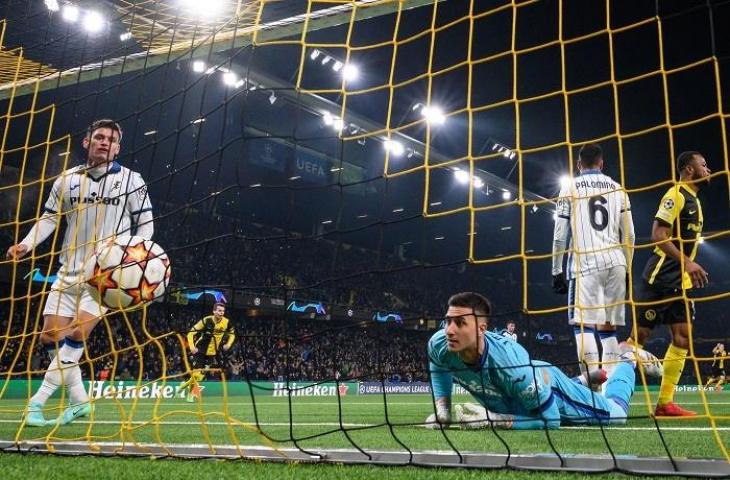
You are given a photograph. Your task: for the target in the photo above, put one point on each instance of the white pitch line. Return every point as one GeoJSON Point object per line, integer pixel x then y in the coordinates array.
{"type": "Point", "coordinates": [361, 425]}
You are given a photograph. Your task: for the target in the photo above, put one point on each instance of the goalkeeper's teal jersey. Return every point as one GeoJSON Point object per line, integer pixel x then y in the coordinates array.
{"type": "Point", "coordinates": [536, 393]}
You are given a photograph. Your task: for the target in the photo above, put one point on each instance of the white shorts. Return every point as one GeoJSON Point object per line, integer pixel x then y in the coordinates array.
{"type": "Point", "coordinates": [598, 298]}
{"type": "Point", "coordinates": [69, 295]}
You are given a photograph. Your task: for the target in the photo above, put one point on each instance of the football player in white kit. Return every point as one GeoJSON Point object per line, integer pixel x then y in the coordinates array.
{"type": "Point", "coordinates": [99, 200]}
{"type": "Point", "coordinates": [596, 212]}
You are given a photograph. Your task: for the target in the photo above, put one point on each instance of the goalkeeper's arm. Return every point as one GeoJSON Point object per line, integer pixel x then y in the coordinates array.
{"type": "Point", "coordinates": [441, 384]}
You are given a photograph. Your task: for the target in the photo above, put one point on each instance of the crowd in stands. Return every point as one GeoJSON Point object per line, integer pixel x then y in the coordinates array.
{"type": "Point", "coordinates": [228, 252]}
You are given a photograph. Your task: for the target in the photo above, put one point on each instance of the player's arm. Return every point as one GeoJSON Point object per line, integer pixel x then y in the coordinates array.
{"type": "Point", "coordinates": [140, 208]}
{"type": "Point", "coordinates": [661, 234]}
{"type": "Point", "coordinates": [628, 233]}
{"type": "Point", "coordinates": [560, 241]}
{"type": "Point", "coordinates": [43, 227]}
{"type": "Point", "coordinates": [231, 337]}
{"type": "Point", "coordinates": [197, 328]}
{"type": "Point", "coordinates": [442, 383]}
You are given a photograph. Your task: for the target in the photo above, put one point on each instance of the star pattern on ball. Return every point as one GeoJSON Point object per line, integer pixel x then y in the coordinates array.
{"type": "Point", "coordinates": [137, 254]}
{"type": "Point", "coordinates": [144, 293]}
{"type": "Point", "coordinates": [102, 280]}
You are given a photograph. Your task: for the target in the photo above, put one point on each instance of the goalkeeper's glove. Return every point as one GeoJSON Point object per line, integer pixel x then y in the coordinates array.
{"type": "Point", "coordinates": [442, 418]}
{"type": "Point", "coordinates": [559, 285]}
{"type": "Point", "coordinates": [472, 416]}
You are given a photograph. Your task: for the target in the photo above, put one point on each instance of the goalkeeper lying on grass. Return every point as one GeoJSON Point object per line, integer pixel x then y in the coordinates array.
{"type": "Point", "coordinates": [512, 390]}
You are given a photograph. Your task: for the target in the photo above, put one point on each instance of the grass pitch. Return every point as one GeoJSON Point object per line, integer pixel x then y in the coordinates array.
{"type": "Point", "coordinates": [365, 422]}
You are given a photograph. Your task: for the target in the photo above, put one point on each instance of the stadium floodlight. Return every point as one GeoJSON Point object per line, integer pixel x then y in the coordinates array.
{"type": "Point", "coordinates": [337, 124]}
{"type": "Point", "coordinates": [433, 115]}
{"type": "Point", "coordinates": [461, 176]}
{"type": "Point", "coordinates": [394, 147]}
{"type": "Point", "coordinates": [478, 182]}
{"type": "Point", "coordinates": [93, 22]}
{"type": "Point", "coordinates": [506, 195]}
{"type": "Point", "coordinates": [327, 118]}
{"type": "Point", "coordinates": [326, 222]}
{"type": "Point", "coordinates": [230, 78]}
{"type": "Point", "coordinates": [203, 8]}
{"type": "Point", "coordinates": [272, 98]}
{"type": "Point", "coordinates": [701, 240]}
{"type": "Point", "coordinates": [314, 54]}
{"type": "Point", "coordinates": [125, 36]}
{"type": "Point", "coordinates": [241, 82]}
{"type": "Point", "coordinates": [534, 209]}
{"type": "Point", "coordinates": [512, 155]}
{"type": "Point", "coordinates": [564, 181]}
{"type": "Point", "coordinates": [52, 5]}
{"type": "Point", "coordinates": [337, 66]}
{"type": "Point", "coordinates": [507, 153]}
{"type": "Point", "coordinates": [350, 72]}
{"type": "Point", "coordinates": [555, 215]}
{"type": "Point", "coordinates": [326, 60]}
{"type": "Point", "coordinates": [70, 13]}
{"type": "Point", "coordinates": [199, 66]}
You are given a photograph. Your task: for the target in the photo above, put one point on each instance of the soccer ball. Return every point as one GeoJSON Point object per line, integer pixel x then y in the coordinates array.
{"type": "Point", "coordinates": [128, 272]}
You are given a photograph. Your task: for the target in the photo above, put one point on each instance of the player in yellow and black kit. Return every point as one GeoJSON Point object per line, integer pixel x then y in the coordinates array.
{"type": "Point", "coordinates": [719, 355]}
{"type": "Point", "coordinates": [205, 339]}
{"type": "Point", "coordinates": [670, 271]}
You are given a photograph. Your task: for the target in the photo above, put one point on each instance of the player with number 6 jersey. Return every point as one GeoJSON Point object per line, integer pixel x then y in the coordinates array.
{"type": "Point", "coordinates": [595, 211]}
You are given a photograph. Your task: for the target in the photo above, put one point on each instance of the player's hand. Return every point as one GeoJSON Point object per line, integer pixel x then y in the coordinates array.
{"type": "Point", "coordinates": [696, 273]}
{"type": "Point", "coordinates": [440, 419]}
{"type": "Point", "coordinates": [472, 416]}
{"type": "Point", "coordinates": [559, 285]}
{"type": "Point", "coordinates": [193, 349]}
{"type": "Point", "coordinates": [226, 348]}
{"type": "Point", "coordinates": [16, 252]}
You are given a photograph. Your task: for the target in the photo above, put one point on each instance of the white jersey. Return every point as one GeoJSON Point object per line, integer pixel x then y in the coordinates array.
{"type": "Point", "coordinates": [511, 336]}
{"type": "Point", "coordinates": [595, 210]}
{"type": "Point", "coordinates": [97, 204]}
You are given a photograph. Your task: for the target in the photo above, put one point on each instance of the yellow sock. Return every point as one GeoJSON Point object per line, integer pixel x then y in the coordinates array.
{"type": "Point", "coordinates": [186, 383]}
{"type": "Point", "coordinates": [673, 366]}
{"type": "Point", "coordinates": [712, 379]}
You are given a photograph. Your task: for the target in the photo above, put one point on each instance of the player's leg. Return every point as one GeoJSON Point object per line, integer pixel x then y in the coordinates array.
{"type": "Point", "coordinates": [614, 285]}
{"type": "Point", "coordinates": [70, 354]}
{"type": "Point", "coordinates": [581, 405]}
{"type": "Point", "coordinates": [710, 380]}
{"type": "Point", "coordinates": [720, 382]}
{"type": "Point", "coordinates": [90, 313]}
{"type": "Point", "coordinates": [678, 315]}
{"type": "Point", "coordinates": [54, 327]}
{"type": "Point", "coordinates": [584, 295]}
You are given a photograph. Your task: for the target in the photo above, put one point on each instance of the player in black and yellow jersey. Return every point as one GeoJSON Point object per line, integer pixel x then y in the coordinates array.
{"type": "Point", "coordinates": [719, 355]}
{"type": "Point", "coordinates": [670, 271]}
{"type": "Point", "coordinates": [205, 339]}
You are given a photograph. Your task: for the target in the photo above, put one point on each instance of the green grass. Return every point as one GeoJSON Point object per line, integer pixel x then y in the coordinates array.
{"type": "Point", "coordinates": [316, 421]}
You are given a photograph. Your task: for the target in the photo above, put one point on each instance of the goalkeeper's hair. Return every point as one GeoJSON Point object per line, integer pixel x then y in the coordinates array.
{"type": "Point", "coordinates": [219, 304]}
{"type": "Point", "coordinates": [478, 303]}
{"type": "Point", "coordinates": [104, 123]}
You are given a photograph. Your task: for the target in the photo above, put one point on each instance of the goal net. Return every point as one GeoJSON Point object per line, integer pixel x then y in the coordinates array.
{"type": "Point", "coordinates": [330, 172]}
